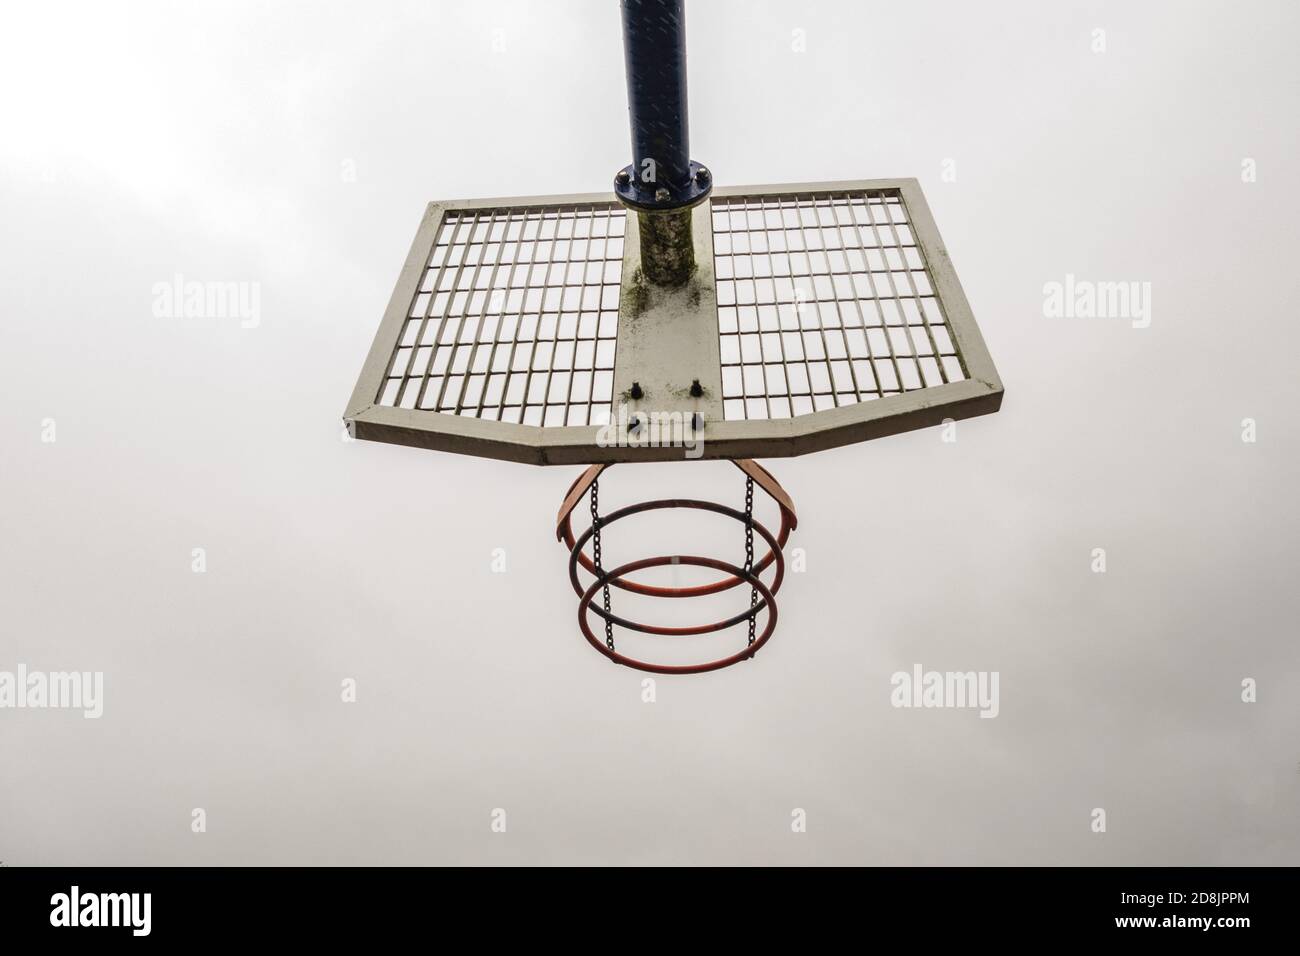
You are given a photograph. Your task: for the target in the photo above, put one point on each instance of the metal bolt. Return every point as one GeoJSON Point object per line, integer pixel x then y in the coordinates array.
{"type": "Point", "coordinates": [636, 391]}
{"type": "Point", "coordinates": [702, 176]}
{"type": "Point", "coordinates": [696, 389]}
{"type": "Point", "coordinates": [622, 178]}
{"type": "Point", "coordinates": [662, 194]}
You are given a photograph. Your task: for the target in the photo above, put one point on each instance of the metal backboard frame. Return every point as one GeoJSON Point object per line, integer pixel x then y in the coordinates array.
{"type": "Point", "coordinates": [665, 340]}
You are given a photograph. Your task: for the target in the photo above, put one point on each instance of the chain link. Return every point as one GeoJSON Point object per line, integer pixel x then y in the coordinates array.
{"type": "Point", "coordinates": [749, 550]}
{"type": "Point", "coordinates": [595, 560]}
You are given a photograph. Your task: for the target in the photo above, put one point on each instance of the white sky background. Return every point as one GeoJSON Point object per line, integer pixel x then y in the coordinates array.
{"type": "Point", "coordinates": [142, 140]}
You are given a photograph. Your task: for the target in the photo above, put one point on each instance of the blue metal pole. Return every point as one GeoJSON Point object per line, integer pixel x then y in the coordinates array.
{"type": "Point", "coordinates": [661, 176]}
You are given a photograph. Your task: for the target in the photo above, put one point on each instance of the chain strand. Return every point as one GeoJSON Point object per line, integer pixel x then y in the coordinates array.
{"type": "Point", "coordinates": [749, 550]}
{"type": "Point", "coordinates": [595, 560]}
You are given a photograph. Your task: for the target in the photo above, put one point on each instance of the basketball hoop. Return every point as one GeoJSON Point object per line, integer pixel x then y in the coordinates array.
{"type": "Point", "coordinates": [741, 323]}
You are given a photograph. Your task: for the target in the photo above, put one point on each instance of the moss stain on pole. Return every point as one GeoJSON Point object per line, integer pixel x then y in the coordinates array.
{"type": "Point", "coordinates": [667, 247]}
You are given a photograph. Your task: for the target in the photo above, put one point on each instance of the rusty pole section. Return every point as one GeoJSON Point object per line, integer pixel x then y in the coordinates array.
{"type": "Point", "coordinates": [661, 184]}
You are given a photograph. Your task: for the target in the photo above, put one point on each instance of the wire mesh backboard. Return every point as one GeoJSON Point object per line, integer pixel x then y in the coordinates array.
{"type": "Point", "coordinates": [516, 318]}
{"type": "Point", "coordinates": [823, 301]}
{"type": "Point", "coordinates": [820, 314]}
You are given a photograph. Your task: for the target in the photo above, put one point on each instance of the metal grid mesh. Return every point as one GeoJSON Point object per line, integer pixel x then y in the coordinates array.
{"type": "Point", "coordinates": [516, 317]}
{"type": "Point", "coordinates": [823, 300]}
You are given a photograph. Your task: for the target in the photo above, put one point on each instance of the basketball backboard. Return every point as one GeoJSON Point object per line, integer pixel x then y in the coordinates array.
{"type": "Point", "coordinates": [819, 314]}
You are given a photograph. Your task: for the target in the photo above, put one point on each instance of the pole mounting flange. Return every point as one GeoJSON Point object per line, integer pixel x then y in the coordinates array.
{"type": "Point", "coordinates": [647, 196]}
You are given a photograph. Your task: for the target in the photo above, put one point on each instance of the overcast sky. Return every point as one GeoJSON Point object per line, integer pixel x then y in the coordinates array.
{"type": "Point", "coordinates": [293, 147]}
